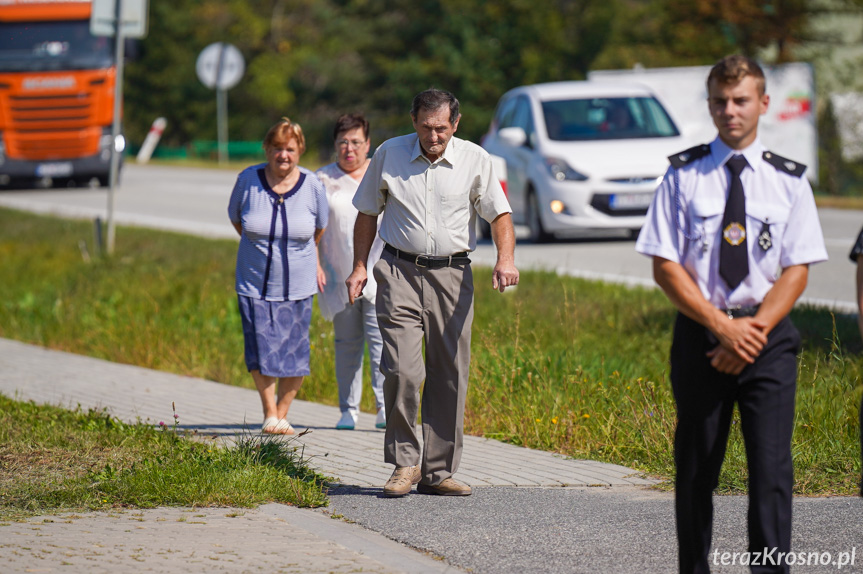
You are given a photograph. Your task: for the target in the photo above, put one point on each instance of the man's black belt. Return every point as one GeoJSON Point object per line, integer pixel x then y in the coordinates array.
{"type": "Point", "coordinates": [735, 312]}
{"type": "Point", "coordinates": [430, 261]}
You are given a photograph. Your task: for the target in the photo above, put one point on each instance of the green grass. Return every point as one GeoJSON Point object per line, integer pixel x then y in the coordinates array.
{"type": "Point", "coordinates": [53, 459]}
{"type": "Point", "coordinates": [839, 201]}
{"type": "Point", "coordinates": [310, 160]}
{"type": "Point", "coordinates": [560, 364]}
{"type": "Point", "coordinates": [581, 368]}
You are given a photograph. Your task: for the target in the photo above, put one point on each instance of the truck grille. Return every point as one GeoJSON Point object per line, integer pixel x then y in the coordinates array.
{"type": "Point", "coordinates": [52, 127]}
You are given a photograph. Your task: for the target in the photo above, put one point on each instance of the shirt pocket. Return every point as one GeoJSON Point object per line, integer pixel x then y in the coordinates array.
{"type": "Point", "coordinates": [455, 210]}
{"type": "Point", "coordinates": [706, 217]}
{"type": "Point", "coordinates": [766, 223]}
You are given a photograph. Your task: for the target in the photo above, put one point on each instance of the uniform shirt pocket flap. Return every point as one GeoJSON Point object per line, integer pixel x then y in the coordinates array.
{"type": "Point", "coordinates": [767, 212]}
{"type": "Point", "coordinates": [707, 208]}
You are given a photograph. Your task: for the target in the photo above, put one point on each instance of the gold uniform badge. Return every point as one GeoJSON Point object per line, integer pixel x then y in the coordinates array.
{"type": "Point", "coordinates": [734, 233]}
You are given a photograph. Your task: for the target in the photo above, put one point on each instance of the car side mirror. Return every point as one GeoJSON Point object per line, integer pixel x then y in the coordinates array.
{"type": "Point", "coordinates": [513, 136]}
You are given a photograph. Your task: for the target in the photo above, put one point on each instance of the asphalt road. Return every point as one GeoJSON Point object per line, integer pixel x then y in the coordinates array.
{"type": "Point", "coordinates": [195, 200]}
{"type": "Point", "coordinates": [590, 530]}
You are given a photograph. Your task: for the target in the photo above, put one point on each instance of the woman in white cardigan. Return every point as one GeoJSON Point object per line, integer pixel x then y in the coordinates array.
{"type": "Point", "coordinates": [355, 325]}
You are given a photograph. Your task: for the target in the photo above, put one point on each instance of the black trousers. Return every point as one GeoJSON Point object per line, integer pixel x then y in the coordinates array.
{"type": "Point", "coordinates": [764, 393]}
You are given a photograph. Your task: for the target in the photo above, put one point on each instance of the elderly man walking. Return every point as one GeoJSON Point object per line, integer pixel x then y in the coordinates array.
{"type": "Point", "coordinates": [430, 186]}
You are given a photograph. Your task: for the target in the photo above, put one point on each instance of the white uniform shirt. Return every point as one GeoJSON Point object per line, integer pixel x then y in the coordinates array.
{"type": "Point", "coordinates": [337, 244]}
{"type": "Point", "coordinates": [782, 201]}
{"type": "Point", "coordinates": [430, 208]}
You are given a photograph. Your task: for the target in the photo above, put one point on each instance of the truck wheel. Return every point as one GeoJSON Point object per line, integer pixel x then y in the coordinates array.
{"type": "Point", "coordinates": [538, 234]}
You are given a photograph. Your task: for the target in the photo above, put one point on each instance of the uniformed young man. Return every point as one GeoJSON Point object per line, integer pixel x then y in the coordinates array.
{"type": "Point", "coordinates": [856, 257]}
{"type": "Point", "coordinates": [732, 231]}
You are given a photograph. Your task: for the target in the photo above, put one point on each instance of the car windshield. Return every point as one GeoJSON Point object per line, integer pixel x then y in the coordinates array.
{"type": "Point", "coordinates": [607, 119]}
{"type": "Point", "coordinates": [48, 46]}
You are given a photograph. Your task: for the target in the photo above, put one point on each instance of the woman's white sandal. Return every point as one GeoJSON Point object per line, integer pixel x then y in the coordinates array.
{"type": "Point", "coordinates": [282, 427]}
{"type": "Point", "coordinates": [270, 425]}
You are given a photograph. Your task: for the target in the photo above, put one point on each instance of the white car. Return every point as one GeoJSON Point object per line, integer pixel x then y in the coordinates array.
{"type": "Point", "coordinates": [581, 156]}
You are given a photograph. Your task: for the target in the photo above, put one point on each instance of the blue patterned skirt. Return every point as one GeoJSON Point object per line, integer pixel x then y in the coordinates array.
{"type": "Point", "coordinates": [276, 334]}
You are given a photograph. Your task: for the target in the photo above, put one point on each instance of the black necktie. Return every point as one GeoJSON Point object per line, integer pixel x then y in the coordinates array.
{"type": "Point", "coordinates": [733, 255]}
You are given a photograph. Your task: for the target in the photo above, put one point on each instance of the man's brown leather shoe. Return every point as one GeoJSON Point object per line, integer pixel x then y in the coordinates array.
{"type": "Point", "coordinates": [403, 478]}
{"type": "Point", "coordinates": [447, 487]}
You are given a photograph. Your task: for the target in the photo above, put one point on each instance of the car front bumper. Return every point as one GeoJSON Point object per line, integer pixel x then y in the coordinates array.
{"type": "Point", "coordinates": [594, 205]}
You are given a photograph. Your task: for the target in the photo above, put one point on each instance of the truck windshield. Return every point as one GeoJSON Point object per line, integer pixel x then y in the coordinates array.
{"type": "Point", "coordinates": [47, 46]}
{"type": "Point", "coordinates": [607, 119]}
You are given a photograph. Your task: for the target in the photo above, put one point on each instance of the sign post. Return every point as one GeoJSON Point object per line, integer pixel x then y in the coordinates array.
{"type": "Point", "coordinates": [221, 66]}
{"type": "Point", "coordinates": [117, 18]}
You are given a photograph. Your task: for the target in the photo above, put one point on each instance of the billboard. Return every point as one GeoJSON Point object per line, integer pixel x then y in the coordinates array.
{"type": "Point", "coordinates": [788, 128]}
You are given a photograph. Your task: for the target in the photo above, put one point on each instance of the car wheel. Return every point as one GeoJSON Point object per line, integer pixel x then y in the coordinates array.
{"type": "Point", "coordinates": [538, 234]}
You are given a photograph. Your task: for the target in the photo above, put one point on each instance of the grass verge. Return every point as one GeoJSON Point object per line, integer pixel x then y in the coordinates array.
{"type": "Point", "coordinates": [839, 201]}
{"type": "Point", "coordinates": [560, 364]}
{"type": "Point", "coordinates": [54, 460]}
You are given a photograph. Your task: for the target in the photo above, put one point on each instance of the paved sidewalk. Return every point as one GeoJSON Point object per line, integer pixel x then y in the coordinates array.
{"type": "Point", "coordinates": [272, 538]}
{"type": "Point", "coordinates": [351, 457]}
{"type": "Point", "coordinates": [252, 541]}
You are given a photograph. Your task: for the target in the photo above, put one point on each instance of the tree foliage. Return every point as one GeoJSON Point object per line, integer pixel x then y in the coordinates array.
{"type": "Point", "coordinates": [314, 59]}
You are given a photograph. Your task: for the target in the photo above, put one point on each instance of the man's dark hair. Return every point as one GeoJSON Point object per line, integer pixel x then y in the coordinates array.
{"type": "Point", "coordinates": [732, 69]}
{"type": "Point", "coordinates": [348, 122]}
{"type": "Point", "coordinates": [434, 99]}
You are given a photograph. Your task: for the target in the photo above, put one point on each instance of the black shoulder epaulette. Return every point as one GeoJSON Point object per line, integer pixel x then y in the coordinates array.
{"type": "Point", "coordinates": [678, 160]}
{"type": "Point", "coordinates": [857, 249]}
{"type": "Point", "coordinates": [783, 164]}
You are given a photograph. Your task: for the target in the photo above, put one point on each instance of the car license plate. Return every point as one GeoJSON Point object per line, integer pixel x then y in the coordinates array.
{"type": "Point", "coordinates": [630, 200]}
{"type": "Point", "coordinates": [57, 169]}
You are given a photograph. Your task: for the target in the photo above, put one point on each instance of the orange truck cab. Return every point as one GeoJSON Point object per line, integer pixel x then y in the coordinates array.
{"type": "Point", "coordinates": [56, 93]}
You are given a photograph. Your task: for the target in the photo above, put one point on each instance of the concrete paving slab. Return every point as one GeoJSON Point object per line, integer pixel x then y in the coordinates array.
{"type": "Point", "coordinates": [351, 458]}
{"type": "Point", "coordinates": [272, 538]}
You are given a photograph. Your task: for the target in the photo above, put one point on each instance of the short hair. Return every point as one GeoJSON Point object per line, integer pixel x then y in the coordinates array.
{"type": "Point", "coordinates": [348, 122]}
{"type": "Point", "coordinates": [434, 99]}
{"type": "Point", "coordinates": [732, 69]}
{"type": "Point", "coordinates": [284, 131]}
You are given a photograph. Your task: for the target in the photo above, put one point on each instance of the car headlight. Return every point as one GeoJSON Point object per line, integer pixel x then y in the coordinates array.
{"type": "Point", "coordinates": [561, 171]}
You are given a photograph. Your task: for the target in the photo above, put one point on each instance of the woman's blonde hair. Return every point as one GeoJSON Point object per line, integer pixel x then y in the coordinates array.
{"type": "Point", "coordinates": [284, 131]}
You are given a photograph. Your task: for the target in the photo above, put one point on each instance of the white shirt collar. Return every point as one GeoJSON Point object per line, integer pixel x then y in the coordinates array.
{"type": "Point", "coordinates": [722, 153]}
{"type": "Point", "coordinates": [450, 154]}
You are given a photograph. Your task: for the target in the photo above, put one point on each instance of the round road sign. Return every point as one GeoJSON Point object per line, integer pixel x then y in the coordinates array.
{"type": "Point", "coordinates": [220, 65]}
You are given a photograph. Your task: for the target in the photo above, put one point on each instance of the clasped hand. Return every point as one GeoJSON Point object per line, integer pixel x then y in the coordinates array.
{"type": "Point", "coordinates": [740, 342]}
